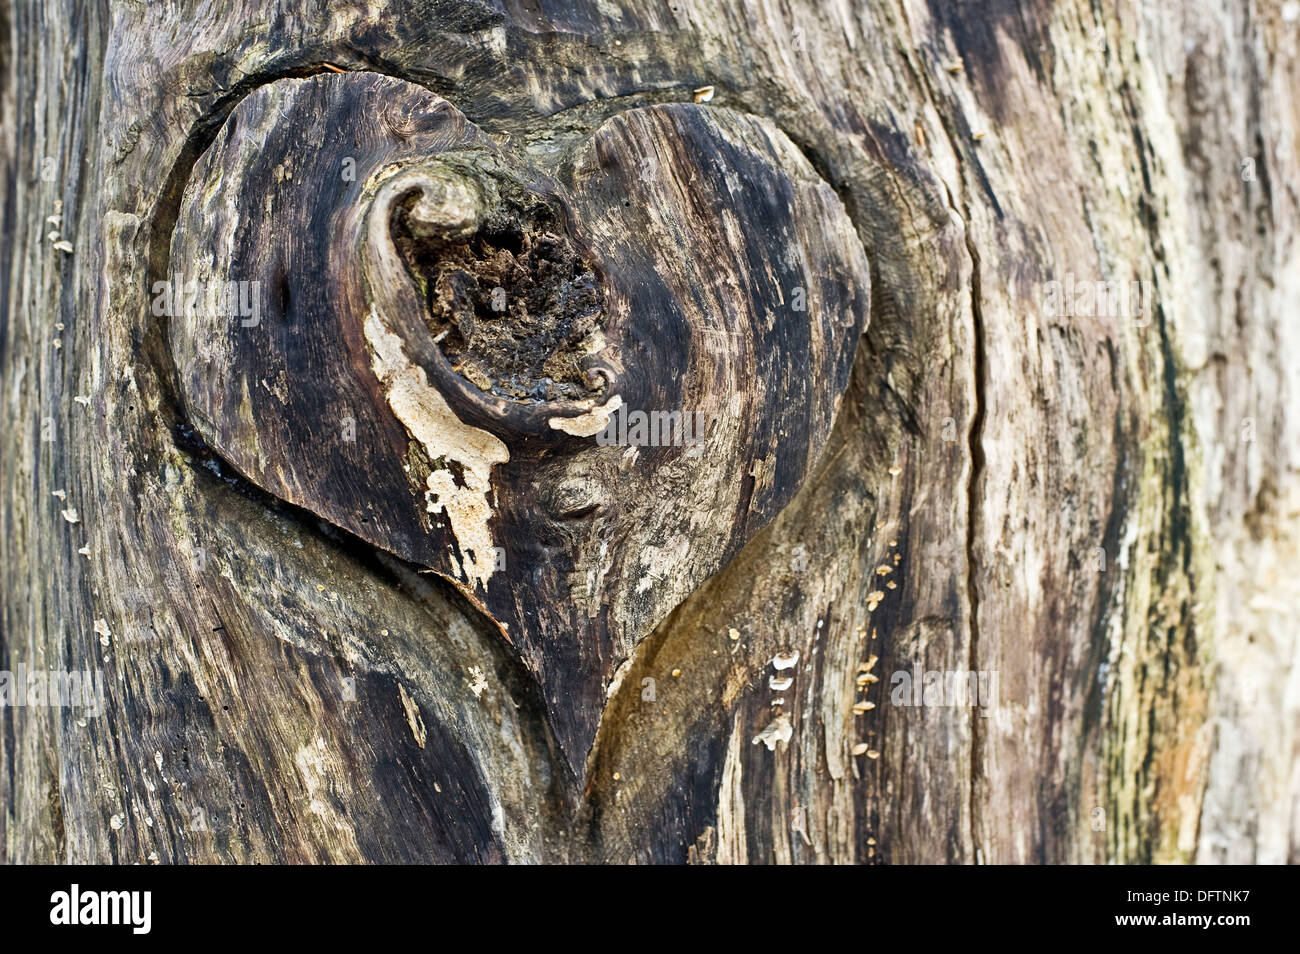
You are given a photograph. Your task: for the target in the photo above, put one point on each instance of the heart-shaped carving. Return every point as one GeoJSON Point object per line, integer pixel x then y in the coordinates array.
{"type": "Point", "coordinates": [572, 376]}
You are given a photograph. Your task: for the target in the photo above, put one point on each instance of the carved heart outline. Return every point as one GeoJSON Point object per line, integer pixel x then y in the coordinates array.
{"type": "Point", "coordinates": [706, 227]}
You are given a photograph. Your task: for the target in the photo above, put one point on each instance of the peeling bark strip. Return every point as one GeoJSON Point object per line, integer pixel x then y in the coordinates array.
{"type": "Point", "coordinates": [316, 326]}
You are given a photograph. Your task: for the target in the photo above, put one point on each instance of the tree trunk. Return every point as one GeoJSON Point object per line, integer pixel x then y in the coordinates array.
{"type": "Point", "coordinates": [963, 528]}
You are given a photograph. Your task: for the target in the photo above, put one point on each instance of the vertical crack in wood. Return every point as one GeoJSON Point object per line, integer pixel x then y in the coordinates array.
{"type": "Point", "coordinates": [974, 439]}
{"type": "Point", "coordinates": [976, 450]}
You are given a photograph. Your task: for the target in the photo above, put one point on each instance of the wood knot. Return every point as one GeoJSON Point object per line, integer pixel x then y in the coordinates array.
{"type": "Point", "coordinates": [475, 269]}
{"type": "Point", "coordinates": [510, 300]}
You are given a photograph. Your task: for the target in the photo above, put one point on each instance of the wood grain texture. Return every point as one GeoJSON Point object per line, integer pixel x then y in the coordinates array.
{"type": "Point", "coordinates": [283, 683]}
{"type": "Point", "coordinates": [732, 290]}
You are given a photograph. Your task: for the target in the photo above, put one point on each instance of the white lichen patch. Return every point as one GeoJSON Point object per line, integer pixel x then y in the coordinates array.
{"type": "Point", "coordinates": [778, 730]}
{"type": "Point", "coordinates": [591, 423]}
{"type": "Point", "coordinates": [427, 417]}
{"type": "Point", "coordinates": [413, 718]}
{"type": "Point", "coordinates": [785, 660]}
{"type": "Point", "coordinates": [477, 681]}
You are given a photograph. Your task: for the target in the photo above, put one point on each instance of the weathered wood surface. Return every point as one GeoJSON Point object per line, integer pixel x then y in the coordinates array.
{"type": "Point", "coordinates": [719, 285]}
{"type": "Point", "coordinates": [1102, 509]}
